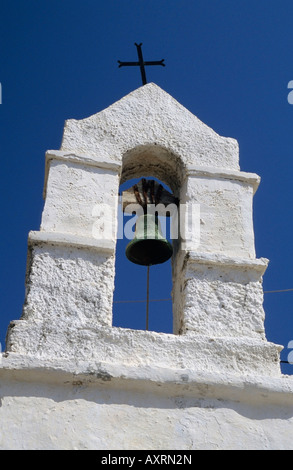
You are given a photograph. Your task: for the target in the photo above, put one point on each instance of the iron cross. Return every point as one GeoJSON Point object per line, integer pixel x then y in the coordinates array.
{"type": "Point", "coordinates": [141, 63]}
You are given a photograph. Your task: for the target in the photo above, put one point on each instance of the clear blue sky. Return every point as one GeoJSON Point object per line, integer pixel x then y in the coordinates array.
{"type": "Point", "coordinates": [229, 62]}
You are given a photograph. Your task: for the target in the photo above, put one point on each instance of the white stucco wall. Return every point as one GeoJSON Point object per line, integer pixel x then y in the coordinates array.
{"type": "Point", "coordinates": [149, 116]}
{"type": "Point", "coordinates": [175, 412]}
{"type": "Point", "coordinates": [68, 379]}
{"type": "Point", "coordinates": [74, 192]}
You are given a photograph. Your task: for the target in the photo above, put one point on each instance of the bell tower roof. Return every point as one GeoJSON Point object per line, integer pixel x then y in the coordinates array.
{"type": "Point", "coordinates": [150, 116]}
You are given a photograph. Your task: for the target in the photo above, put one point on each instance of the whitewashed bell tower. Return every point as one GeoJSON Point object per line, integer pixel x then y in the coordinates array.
{"type": "Point", "coordinates": [215, 383]}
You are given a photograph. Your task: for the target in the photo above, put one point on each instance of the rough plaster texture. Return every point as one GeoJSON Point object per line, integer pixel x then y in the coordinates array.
{"type": "Point", "coordinates": [79, 416]}
{"type": "Point", "coordinates": [149, 116]}
{"type": "Point", "coordinates": [221, 299]}
{"type": "Point", "coordinates": [68, 377]}
{"type": "Point", "coordinates": [55, 296]}
{"type": "Point", "coordinates": [74, 191]}
{"type": "Point", "coordinates": [221, 201]}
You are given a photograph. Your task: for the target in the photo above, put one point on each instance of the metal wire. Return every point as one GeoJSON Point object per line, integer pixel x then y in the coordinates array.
{"type": "Point", "coordinates": [273, 291]}
{"type": "Point", "coordinates": [168, 300]}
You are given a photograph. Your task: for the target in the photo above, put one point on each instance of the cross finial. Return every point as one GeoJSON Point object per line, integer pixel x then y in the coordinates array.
{"type": "Point", "coordinates": [141, 63]}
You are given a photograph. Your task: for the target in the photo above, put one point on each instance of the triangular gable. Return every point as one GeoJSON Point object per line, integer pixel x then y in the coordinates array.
{"type": "Point", "coordinates": [150, 116]}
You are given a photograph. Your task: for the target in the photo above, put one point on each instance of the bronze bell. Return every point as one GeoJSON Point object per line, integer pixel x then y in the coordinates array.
{"type": "Point", "coordinates": [148, 246]}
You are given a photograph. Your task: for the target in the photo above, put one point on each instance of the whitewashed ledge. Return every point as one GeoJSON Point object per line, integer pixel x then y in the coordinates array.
{"type": "Point", "coordinates": [215, 259]}
{"type": "Point", "coordinates": [114, 166]}
{"type": "Point", "coordinates": [82, 158]}
{"type": "Point", "coordinates": [183, 382]}
{"type": "Point", "coordinates": [108, 246]}
{"type": "Point", "coordinates": [67, 239]}
{"type": "Point", "coordinates": [215, 173]}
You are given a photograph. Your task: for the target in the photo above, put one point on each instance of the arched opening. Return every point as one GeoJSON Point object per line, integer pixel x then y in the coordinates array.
{"type": "Point", "coordinates": [153, 160]}
{"type": "Point", "coordinates": [130, 294]}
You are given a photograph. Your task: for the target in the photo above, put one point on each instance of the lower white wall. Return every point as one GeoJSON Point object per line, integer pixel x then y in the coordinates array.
{"type": "Point", "coordinates": [37, 415]}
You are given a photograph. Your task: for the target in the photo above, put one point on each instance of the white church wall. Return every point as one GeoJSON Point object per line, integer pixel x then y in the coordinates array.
{"type": "Point", "coordinates": [68, 378]}
{"type": "Point", "coordinates": [77, 416]}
